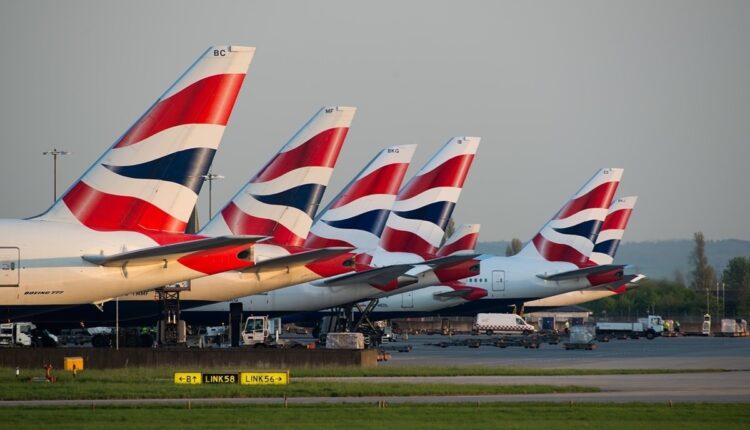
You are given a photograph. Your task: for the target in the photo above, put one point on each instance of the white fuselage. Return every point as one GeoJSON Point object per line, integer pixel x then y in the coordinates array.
{"type": "Point", "coordinates": [50, 270]}
{"type": "Point", "coordinates": [505, 278]}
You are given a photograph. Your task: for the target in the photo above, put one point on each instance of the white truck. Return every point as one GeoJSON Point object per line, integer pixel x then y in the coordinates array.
{"type": "Point", "coordinates": [25, 334]}
{"type": "Point", "coordinates": [263, 332]}
{"type": "Point", "coordinates": [501, 324]}
{"type": "Point", "coordinates": [650, 327]}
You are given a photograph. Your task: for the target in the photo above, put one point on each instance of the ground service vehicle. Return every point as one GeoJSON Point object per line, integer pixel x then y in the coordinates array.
{"type": "Point", "coordinates": [650, 327]}
{"type": "Point", "coordinates": [25, 334]}
{"type": "Point", "coordinates": [263, 332]}
{"type": "Point", "coordinates": [501, 323]}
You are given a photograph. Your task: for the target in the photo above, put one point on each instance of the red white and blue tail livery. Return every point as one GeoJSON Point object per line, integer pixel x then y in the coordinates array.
{"type": "Point", "coordinates": [603, 255]}
{"type": "Point", "coordinates": [120, 227]}
{"type": "Point", "coordinates": [149, 180]}
{"type": "Point", "coordinates": [357, 216]}
{"type": "Point", "coordinates": [463, 239]}
{"type": "Point", "coordinates": [282, 199]}
{"type": "Point", "coordinates": [569, 236]}
{"type": "Point", "coordinates": [425, 204]}
{"type": "Point", "coordinates": [613, 230]}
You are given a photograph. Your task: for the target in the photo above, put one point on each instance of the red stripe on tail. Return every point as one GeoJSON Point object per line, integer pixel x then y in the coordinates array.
{"type": "Point", "coordinates": [452, 173]}
{"type": "Point", "coordinates": [314, 241]}
{"type": "Point", "coordinates": [322, 150]}
{"type": "Point", "coordinates": [552, 251]}
{"type": "Point", "coordinates": [384, 180]}
{"type": "Point", "coordinates": [107, 212]}
{"type": "Point", "coordinates": [241, 223]}
{"type": "Point", "coordinates": [465, 243]}
{"type": "Point", "coordinates": [617, 220]}
{"type": "Point", "coordinates": [598, 198]}
{"type": "Point", "coordinates": [207, 101]}
{"type": "Point", "coordinates": [406, 242]}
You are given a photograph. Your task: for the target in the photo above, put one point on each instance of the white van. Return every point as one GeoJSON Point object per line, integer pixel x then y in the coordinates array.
{"type": "Point", "coordinates": [502, 324]}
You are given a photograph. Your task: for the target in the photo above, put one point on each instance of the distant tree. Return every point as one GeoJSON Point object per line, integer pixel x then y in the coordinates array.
{"type": "Point", "coordinates": [514, 247]}
{"type": "Point", "coordinates": [679, 278]}
{"type": "Point", "coordinates": [702, 277]}
{"type": "Point", "coordinates": [736, 280]}
{"type": "Point", "coordinates": [667, 298]}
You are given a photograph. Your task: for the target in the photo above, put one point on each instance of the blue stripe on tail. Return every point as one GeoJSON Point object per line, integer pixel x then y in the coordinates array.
{"type": "Point", "coordinates": [372, 221]}
{"type": "Point", "coordinates": [185, 167]}
{"type": "Point", "coordinates": [306, 198]}
{"type": "Point", "coordinates": [437, 213]}
{"type": "Point", "coordinates": [586, 229]}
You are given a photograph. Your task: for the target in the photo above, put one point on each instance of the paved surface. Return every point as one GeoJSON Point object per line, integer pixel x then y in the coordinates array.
{"type": "Point", "coordinates": [676, 353]}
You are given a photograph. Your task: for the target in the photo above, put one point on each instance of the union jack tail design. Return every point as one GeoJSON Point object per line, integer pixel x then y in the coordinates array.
{"type": "Point", "coordinates": [425, 204]}
{"type": "Point", "coordinates": [281, 200]}
{"type": "Point", "coordinates": [612, 230]}
{"type": "Point", "coordinates": [357, 216]}
{"type": "Point", "coordinates": [149, 180]}
{"type": "Point", "coordinates": [569, 236]}
{"type": "Point", "coordinates": [463, 239]}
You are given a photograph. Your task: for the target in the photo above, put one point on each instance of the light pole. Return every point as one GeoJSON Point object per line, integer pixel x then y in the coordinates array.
{"type": "Point", "coordinates": [54, 153]}
{"type": "Point", "coordinates": [211, 177]}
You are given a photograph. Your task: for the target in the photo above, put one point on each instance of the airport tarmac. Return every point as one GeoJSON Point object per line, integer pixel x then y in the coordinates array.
{"type": "Point", "coordinates": [659, 353]}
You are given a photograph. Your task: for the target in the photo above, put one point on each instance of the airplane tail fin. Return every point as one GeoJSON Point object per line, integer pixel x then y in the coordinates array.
{"type": "Point", "coordinates": [149, 179]}
{"type": "Point", "coordinates": [613, 230]}
{"type": "Point", "coordinates": [569, 236]}
{"type": "Point", "coordinates": [425, 204]}
{"type": "Point", "coordinates": [356, 217]}
{"type": "Point", "coordinates": [282, 199]}
{"type": "Point", "coordinates": [463, 239]}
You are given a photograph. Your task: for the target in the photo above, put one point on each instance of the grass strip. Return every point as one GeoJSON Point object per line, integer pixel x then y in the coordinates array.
{"type": "Point", "coordinates": [166, 373]}
{"type": "Point", "coordinates": [413, 417]}
{"type": "Point", "coordinates": [82, 389]}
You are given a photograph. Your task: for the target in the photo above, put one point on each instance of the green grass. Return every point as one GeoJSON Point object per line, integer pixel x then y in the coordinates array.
{"type": "Point", "coordinates": [127, 390]}
{"type": "Point", "coordinates": [156, 373]}
{"type": "Point", "coordinates": [158, 383]}
{"type": "Point", "coordinates": [412, 417]}
{"type": "Point", "coordinates": [154, 383]}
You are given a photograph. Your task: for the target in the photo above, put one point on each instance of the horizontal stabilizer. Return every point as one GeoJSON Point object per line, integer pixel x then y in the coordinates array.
{"type": "Point", "coordinates": [300, 258]}
{"type": "Point", "coordinates": [442, 262]}
{"type": "Point", "coordinates": [631, 280]}
{"type": "Point", "coordinates": [452, 294]}
{"type": "Point", "coordinates": [158, 254]}
{"type": "Point", "coordinates": [579, 273]}
{"type": "Point", "coordinates": [376, 276]}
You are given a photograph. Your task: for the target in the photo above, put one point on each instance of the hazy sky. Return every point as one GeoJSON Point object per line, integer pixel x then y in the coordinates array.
{"type": "Point", "coordinates": [555, 90]}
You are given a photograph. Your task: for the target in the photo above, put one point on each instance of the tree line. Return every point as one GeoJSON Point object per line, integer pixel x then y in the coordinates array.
{"type": "Point", "coordinates": [723, 296]}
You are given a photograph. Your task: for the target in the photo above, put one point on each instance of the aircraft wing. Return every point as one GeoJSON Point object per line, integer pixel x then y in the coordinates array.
{"type": "Point", "coordinates": [299, 258]}
{"type": "Point", "coordinates": [159, 254]}
{"type": "Point", "coordinates": [579, 273]}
